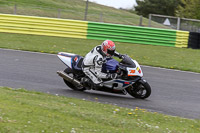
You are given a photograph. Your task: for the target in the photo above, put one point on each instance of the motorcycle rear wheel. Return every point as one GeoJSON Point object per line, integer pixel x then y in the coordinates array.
{"type": "Point", "coordinates": [140, 90]}
{"type": "Point", "coordinates": [69, 84]}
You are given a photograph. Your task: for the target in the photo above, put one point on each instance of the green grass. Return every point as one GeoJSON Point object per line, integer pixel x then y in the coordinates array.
{"type": "Point", "coordinates": [73, 9]}
{"type": "Point", "coordinates": [160, 56]}
{"type": "Point", "coordinates": [25, 111]}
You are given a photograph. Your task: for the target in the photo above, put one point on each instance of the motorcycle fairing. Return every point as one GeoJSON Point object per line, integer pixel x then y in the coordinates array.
{"type": "Point", "coordinates": [137, 71]}
{"type": "Point", "coordinates": [71, 60]}
{"type": "Point", "coordinates": [77, 62]}
{"type": "Point", "coordinates": [66, 58]}
{"type": "Point", "coordinates": [118, 84]}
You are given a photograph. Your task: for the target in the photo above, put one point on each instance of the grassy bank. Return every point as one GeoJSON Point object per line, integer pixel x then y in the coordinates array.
{"type": "Point", "coordinates": [25, 111]}
{"type": "Point", "coordinates": [167, 57]}
{"type": "Point", "coordinates": [73, 9]}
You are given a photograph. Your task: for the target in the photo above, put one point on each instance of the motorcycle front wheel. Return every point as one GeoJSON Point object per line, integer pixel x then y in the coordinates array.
{"type": "Point", "coordinates": [140, 90]}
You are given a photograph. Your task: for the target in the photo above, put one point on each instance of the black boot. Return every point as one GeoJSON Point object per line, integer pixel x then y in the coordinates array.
{"type": "Point", "coordinates": [97, 86]}
{"type": "Point", "coordinates": [86, 82]}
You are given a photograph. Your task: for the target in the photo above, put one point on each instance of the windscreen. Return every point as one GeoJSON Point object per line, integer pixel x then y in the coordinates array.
{"type": "Point", "coordinates": [128, 61]}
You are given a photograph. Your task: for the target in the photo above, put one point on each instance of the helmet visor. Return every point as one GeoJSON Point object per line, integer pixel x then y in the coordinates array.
{"type": "Point", "coordinates": [110, 52]}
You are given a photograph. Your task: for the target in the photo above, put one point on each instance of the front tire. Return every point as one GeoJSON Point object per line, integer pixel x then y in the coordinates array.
{"type": "Point", "coordinates": [69, 84]}
{"type": "Point", "coordinates": [140, 90]}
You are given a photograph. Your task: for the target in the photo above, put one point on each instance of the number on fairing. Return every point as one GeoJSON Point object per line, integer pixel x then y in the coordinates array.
{"type": "Point", "coordinates": [131, 71]}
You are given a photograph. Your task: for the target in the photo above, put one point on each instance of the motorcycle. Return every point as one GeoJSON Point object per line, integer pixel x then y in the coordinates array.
{"type": "Point", "coordinates": [129, 79]}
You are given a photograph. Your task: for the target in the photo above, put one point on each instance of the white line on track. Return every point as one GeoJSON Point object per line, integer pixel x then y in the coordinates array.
{"type": "Point", "coordinates": [141, 65]}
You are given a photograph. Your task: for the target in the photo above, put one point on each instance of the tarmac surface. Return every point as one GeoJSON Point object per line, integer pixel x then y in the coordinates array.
{"type": "Point", "coordinates": [174, 92]}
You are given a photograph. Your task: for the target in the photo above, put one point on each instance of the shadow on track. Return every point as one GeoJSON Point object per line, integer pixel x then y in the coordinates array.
{"type": "Point", "coordinates": [93, 95]}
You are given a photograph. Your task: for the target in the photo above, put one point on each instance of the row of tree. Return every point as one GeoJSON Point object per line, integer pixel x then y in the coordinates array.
{"type": "Point", "coordinates": [180, 8]}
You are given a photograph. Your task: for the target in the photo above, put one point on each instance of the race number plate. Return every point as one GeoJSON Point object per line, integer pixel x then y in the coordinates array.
{"type": "Point", "coordinates": [131, 71]}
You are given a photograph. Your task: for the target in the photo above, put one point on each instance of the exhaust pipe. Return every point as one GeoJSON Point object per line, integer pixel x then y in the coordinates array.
{"type": "Point", "coordinates": [68, 78]}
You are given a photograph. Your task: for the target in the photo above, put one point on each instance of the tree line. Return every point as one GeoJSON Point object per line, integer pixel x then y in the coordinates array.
{"type": "Point", "coordinates": [179, 8]}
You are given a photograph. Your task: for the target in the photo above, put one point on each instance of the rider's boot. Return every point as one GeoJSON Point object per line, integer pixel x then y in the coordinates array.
{"type": "Point", "coordinates": [97, 86]}
{"type": "Point", "coordinates": [86, 82]}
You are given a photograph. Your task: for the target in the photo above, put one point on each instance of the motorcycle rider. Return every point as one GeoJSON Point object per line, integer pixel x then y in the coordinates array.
{"type": "Point", "coordinates": [93, 61]}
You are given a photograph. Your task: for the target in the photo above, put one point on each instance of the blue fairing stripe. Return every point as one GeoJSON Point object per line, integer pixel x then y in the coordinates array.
{"type": "Point", "coordinates": [66, 55]}
{"type": "Point", "coordinates": [71, 62]}
{"type": "Point", "coordinates": [120, 81]}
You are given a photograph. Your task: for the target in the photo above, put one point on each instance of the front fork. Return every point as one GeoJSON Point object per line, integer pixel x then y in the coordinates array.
{"type": "Point", "coordinates": [137, 80]}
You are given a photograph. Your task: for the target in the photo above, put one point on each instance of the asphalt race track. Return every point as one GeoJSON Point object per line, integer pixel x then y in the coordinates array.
{"type": "Point", "coordinates": [173, 92]}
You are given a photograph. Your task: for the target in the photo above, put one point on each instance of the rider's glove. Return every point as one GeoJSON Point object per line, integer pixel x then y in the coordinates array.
{"type": "Point", "coordinates": [121, 56]}
{"type": "Point", "coordinates": [112, 75]}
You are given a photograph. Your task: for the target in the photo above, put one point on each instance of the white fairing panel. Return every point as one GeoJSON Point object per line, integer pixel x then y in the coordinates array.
{"type": "Point", "coordinates": [66, 58]}
{"type": "Point", "coordinates": [137, 71]}
{"type": "Point", "coordinates": [138, 66]}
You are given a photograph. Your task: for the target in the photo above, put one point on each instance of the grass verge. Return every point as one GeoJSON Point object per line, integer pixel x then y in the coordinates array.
{"type": "Point", "coordinates": [26, 111]}
{"type": "Point", "coordinates": [159, 56]}
{"type": "Point", "coordinates": [73, 9]}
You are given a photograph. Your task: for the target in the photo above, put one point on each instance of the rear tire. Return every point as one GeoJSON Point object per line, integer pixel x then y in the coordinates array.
{"type": "Point", "coordinates": [69, 84]}
{"type": "Point", "coordinates": [140, 90]}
